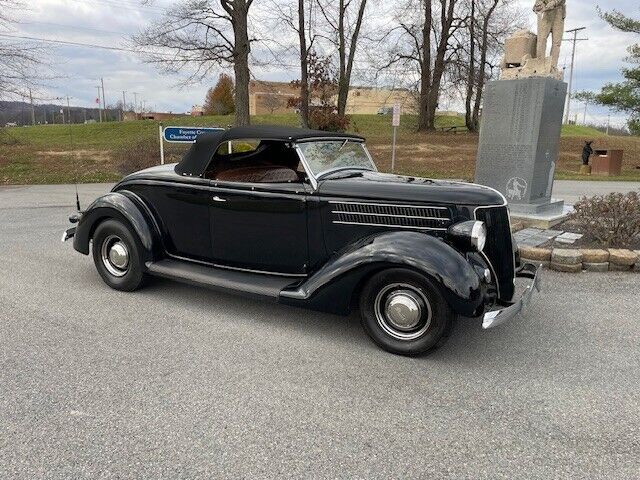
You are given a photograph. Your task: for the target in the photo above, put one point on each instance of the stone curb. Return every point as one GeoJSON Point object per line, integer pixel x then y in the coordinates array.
{"type": "Point", "coordinates": [595, 266]}
{"type": "Point", "coordinates": [627, 258]}
{"type": "Point", "coordinates": [566, 256]}
{"type": "Point", "coordinates": [563, 267]}
{"type": "Point", "coordinates": [576, 260]}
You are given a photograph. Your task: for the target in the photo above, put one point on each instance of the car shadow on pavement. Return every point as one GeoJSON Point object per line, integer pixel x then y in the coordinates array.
{"type": "Point", "coordinates": [468, 342]}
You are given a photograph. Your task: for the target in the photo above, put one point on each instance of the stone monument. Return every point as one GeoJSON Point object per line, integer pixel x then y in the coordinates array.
{"type": "Point", "coordinates": [522, 119]}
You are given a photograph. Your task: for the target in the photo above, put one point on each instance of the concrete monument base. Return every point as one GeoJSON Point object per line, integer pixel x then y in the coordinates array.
{"type": "Point", "coordinates": [544, 220]}
{"type": "Point", "coordinates": [519, 144]}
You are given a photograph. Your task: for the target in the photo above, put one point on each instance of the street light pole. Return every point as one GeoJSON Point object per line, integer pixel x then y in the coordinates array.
{"type": "Point", "coordinates": [33, 109]}
{"type": "Point", "coordinates": [104, 102]}
{"type": "Point", "coordinates": [99, 106]}
{"type": "Point", "coordinates": [575, 39]}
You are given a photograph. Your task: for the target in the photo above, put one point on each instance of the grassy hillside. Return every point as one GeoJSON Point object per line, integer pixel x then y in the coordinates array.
{"type": "Point", "coordinates": [95, 152]}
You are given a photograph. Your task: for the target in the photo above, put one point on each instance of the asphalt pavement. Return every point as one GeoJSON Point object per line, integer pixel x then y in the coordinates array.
{"type": "Point", "coordinates": [175, 381]}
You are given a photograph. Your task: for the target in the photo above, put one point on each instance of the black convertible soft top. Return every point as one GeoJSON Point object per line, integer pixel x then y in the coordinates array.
{"type": "Point", "coordinates": [197, 158]}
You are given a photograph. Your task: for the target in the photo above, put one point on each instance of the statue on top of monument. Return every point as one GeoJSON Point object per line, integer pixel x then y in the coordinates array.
{"type": "Point", "coordinates": [525, 53]}
{"type": "Point", "coordinates": [551, 15]}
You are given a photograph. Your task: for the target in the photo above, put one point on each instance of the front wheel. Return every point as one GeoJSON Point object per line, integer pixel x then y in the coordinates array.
{"type": "Point", "coordinates": [117, 256]}
{"type": "Point", "coordinates": [404, 312]}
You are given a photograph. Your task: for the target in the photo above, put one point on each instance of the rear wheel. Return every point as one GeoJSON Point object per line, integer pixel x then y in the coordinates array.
{"type": "Point", "coordinates": [116, 255]}
{"type": "Point", "coordinates": [404, 312]}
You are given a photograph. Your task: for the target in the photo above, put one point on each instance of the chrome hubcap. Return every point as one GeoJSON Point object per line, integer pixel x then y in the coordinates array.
{"type": "Point", "coordinates": [403, 311]}
{"type": "Point", "coordinates": [115, 256]}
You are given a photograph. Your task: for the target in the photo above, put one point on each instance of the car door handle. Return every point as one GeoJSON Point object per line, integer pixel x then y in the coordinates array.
{"type": "Point", "coordinates": [218, 199]}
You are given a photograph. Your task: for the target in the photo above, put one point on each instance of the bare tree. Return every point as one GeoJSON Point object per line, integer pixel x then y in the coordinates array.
{"type": "Point", "coordinates": [19, 60]}
{"type": "Point", "coordinates": [299, 18]}
{"type": "Point", "coordinates": [490, 22]}
{"type": "Point", "coordinates": [423, 43]}
{"type": "Point", "coordinates": [201, 35]}
{"type": "Point", "coordinates": [344, 25]}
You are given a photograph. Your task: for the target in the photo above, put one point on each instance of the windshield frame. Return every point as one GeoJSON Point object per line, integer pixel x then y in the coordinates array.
{"type": "Point", "coordinates": [315, 177]}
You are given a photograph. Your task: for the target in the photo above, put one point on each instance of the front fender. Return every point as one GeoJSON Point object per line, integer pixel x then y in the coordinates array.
{"type": "Point", "coordinates": [450, 270]}
{"type": "Point", "coordinates": [117, 205]}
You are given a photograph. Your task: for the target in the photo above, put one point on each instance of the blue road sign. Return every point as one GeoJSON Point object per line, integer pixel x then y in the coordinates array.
{"type": "Point", "coordinates": [186, 134]}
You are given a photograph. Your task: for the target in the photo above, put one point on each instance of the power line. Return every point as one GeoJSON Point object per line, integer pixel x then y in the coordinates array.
{"type": "Point", "coordinates": [81, 44]}
{"type": "Point", "coordinates": [34, 22]}
{"type": "Point", "coordinates": [122, 5]}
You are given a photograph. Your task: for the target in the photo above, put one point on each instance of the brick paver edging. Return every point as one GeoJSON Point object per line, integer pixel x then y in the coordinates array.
{"type": "Point", "coordinates": [574, 260]}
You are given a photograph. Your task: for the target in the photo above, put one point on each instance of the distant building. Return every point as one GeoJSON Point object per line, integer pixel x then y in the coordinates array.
{"type": "Point", "coordinates": [371, 100]}
{"type": "Point", "coordinates": [271, 97]}
{"type": "Point", "coordinates": [197, 111]}
{"type": "Point", "coordinates": [130, 116]}
{"type": "Point", "coordinates": [279, 97]}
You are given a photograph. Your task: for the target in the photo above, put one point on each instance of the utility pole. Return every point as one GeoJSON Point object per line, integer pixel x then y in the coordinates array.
{"type": "Point", "coordinates": [33, 110]}
{"type": "Point", "coordinates": [135, 103]}
{"type": "Point", "coordinates": [608, 123]}
{"type": "Point", "coordinates": [99, 107]}
{"type": "Point", "coordinates": [104, 102]}
{"type": "Point", "coordinates": [124, 104]}
{"type": "Point", "coordinates": [575, 39]}
{"type": "Point", "coordinates": [68, 110]}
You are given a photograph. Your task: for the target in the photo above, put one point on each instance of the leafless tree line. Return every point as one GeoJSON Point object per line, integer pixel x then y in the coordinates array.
{"type": "Point", "coordinates": [19, 61]}
{"type": "Point", "coordinates": [437, 46]}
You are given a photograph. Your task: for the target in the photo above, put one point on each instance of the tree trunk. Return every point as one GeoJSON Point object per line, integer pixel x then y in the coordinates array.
{"type": "Point", "coordinates": [304, 67]}
{"type": "Point", "coordinates": [471, 80]}
{"type": "Point", "coordinates": [481, 73]}
{"type": "Point", "coordinates": [425, 67]}
{"type": "Point", "coordinates": [346, 62]}
{"type": "Point", "coordinates": [343, 85]}
{"type": "Point", "coordinates": [241, 61]}
{"type": "Point", "coordinates": [440, 63]}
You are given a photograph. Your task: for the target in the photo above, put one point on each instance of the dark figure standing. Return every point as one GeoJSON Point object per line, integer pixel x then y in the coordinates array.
{"type": "Point", "coordinates": [587, 151]}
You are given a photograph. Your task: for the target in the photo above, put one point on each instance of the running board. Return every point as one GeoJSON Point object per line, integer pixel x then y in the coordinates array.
{"type": "Point", "coordinates": [257, 284]}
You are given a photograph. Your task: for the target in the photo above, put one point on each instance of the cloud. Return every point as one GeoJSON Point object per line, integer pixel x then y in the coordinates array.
{"type": "Point", "coordinates": [111, 22]}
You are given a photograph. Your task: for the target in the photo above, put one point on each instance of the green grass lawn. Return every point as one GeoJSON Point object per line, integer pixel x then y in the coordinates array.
{"type": "Point", "coordinates": [111, 135]}
{"type": "Point", "coordinates": [60, 153]}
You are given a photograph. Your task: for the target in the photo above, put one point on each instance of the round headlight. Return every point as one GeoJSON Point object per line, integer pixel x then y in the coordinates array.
{"type": "Point", "coordinates": [468, 235]}
{"type": "Point", "coordinates": [479, 235]}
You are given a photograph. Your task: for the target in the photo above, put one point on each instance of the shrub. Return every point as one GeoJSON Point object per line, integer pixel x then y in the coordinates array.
{"type": "Point", "coordinates": [6, 138]}
{"type": "Point", "coordinates": [613, 219]}
{"type": "Point", "coordinates": [326, 119]}
{"type": "Point", "coordinates": [142, 154]}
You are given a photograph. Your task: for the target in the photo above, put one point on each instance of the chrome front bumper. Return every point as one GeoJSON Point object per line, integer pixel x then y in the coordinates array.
{"type": "Point", "coordinates": [68, 233]}
{"type": "Point", "coordinates": [497, 317]}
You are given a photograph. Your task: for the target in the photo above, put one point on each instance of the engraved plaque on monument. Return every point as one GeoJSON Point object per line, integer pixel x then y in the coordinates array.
{"type": "Point", "coordinates": [520, 140]}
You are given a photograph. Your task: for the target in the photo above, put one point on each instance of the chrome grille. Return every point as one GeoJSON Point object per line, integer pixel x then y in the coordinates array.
{"type": "Point", "coordinates": [499, 248]}
{"type": "Point", "coordinates": [389, 215]}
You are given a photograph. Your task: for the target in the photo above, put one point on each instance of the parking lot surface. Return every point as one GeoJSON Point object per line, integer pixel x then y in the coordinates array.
{"type": "Point", "coordinates": [175, 381]}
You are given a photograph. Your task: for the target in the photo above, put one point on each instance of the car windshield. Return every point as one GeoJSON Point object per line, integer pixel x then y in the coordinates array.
{"type": "Point", "coordinates": [329, 155]}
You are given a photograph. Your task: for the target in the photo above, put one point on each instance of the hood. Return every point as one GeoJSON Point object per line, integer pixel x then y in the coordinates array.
{"type": "Point", "coordinates": [389, 187]}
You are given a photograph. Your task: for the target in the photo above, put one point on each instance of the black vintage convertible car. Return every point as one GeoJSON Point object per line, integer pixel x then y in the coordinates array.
{"type": "Point", "coordinates": [304, 218]}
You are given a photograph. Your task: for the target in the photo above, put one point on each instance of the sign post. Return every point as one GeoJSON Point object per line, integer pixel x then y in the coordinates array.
{"type": "Point", "coordinates": [161, 146]}
{"type": "Point", "coordinates": [181, 135]}
{"type": "Point", "coordinates": [395, 122]}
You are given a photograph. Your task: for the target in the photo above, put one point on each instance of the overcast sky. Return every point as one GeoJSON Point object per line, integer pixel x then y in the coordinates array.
{"type": "Point", "coordinates": [111, 22]}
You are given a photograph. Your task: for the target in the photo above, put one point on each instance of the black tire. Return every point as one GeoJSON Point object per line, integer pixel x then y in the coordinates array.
{"type": "Point", "coordinates": [435, 316]}
{"type": "Point", "coordinates": [106, 235]}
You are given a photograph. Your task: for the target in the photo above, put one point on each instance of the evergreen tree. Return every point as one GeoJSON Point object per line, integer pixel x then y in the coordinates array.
{"type": "Point", "coordinates": [623, 96]}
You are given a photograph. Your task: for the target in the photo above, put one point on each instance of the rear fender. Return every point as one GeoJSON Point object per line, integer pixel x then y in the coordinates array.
{"type": "Point", "coordinates": [122, 206]}
{"type": "Point", "coordinates": [331, 287]}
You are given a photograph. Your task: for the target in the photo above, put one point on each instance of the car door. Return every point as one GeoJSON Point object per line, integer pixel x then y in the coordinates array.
{"type": "Point", "coordinates": [260, 226]}
{"type": "Point", "coordinates": [181, 209]}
